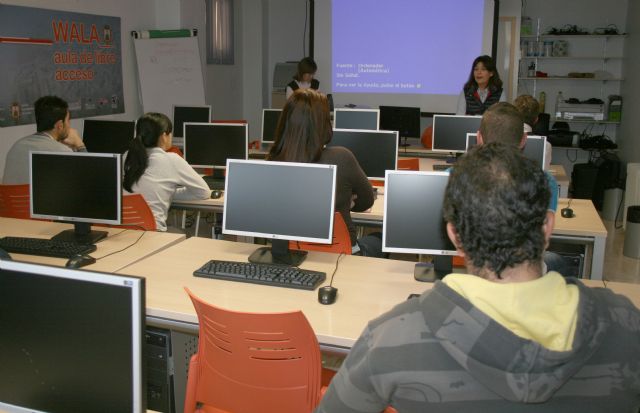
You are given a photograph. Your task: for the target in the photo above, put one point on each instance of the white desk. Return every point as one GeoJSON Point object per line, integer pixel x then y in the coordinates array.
{"type": "Point", "coordinates": [150, 243]}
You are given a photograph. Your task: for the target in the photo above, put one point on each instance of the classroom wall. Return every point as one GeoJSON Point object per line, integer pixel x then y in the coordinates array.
{"type": "Point", "coordinates": [630, 140]}
{"type": "Point", "coordinates": [140, 17]}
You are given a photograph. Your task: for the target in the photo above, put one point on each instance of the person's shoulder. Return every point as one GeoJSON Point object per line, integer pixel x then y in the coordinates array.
{"type": "Point", "coordinates": [337, 153]}
{"type": "Point", "coordinates": [620, 307]}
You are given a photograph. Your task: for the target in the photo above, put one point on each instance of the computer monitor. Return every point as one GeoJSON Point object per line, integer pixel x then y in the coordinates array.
{"type": "Point", "coordinates": [405, 120]}
{"type": "Point", "coordinates": [83, 188]}
{"type": "Point", "coordinates": [209, 145]}
{"type": "Point", "coordinates": [345, 118]}
{"type": "Point", "coordinates": [108, 136]}
{"type": "Point", "coordinates": [413, 221]}
{"type": "Point", "coordinates": [450, 132]}
{"type": "Point", "coordinates": [71, 340]}
{"type": "Point", "coordinates": [376, 151]}
{"type": "Point", "coordinates": [472, 140]}
{"type": "Point", "coordinates": [182, 114]}
{"type": "Point", "coordinates": [534, 149]}
{"type": "Point", "coordinates": [270, 119]}
{"type": "Point", "coordinates": [280, 201]}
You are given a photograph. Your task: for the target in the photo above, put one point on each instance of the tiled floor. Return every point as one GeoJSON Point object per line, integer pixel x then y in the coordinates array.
{"type": "Point", "coordinates": [618, 267]}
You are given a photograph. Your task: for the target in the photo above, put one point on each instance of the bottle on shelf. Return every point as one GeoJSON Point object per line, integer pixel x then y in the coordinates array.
{"type": "Point", "coordinates": [532, 70]}
{"type": "Point", "coordinates": [541, 101]}
{"type": "Point", "coordinates": [559, 101]}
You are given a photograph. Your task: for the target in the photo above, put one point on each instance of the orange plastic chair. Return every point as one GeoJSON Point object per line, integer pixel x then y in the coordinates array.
{"type": "Point", "coordinates": [341, 239]}
{"type": "Point", "coordinates": [177, 150]}
{"type": "Point", "coordinates": [250, 362]}
{"type": "Point", "coordinates": [136, 213]}
{"type": "Point", "coordinates": [15, 201]}
{"type": "Point", "coordinates": [427, 137]}
{"type": "Point", "coordinates": [408, 164]}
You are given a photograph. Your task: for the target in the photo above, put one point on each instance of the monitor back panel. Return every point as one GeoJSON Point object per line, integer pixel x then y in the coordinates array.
{"type": "Point", "coordinates": [534, 149]}
{"type": "Point", "coordinates": [270, 119]}
{"type": "Point", "coordinates": [367, 119]}
{"type": "Point", "coordinates": [108, 136]}
{"type": "Point", "coordinates": [450, 131]}
{"type": "Point", "coordinates": [182, 114]}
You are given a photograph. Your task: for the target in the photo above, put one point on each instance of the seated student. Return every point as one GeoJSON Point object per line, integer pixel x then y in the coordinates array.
{"type": "Point", "coordinates": [530, 109]}
{"type": "Point", "coordinates": [504, 337]}
{"type": "Point", "coordinates": [303, 131]}
{"type": "Point", "coordinates": [158, 175]}
{"type": "Point", "coordinates": [304, 77]}
{"type": "Point", "coordinates": [54, 134]}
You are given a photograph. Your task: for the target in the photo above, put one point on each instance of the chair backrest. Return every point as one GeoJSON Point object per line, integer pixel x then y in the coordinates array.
{"type": "Point", "coordinates": [408, 164]}
{"type": "Point", "coordinates": [15, 201]}
{"type": "Point", "coordinates": [341, 239]}
{"type": "Point", "coordinates": [136, 213]}
{"type": "Point", "coordinates": [249, 362]}
{"type": "Point", "coordinates": [176, 150]}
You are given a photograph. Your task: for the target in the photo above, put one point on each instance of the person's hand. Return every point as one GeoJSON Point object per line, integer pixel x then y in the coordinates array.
{"type": "Point", "coordinates": [73, 140]}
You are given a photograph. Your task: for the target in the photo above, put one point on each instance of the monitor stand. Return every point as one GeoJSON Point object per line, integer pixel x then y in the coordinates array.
{"type": "Point", "coordinates": [403, 142]}
{"type": "Point", "coordinates": [453, 157]}
{"type": "Point", "coordinates": [80, 234]}
{"type": "Point", "coordinates": [279, 254]}
{"type": "Point", "coordinates": [430, 272]}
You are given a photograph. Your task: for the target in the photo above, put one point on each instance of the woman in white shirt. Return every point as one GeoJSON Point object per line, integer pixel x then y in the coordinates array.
{"type": "Point", "coordinates": [158, 175]}
{"type": "Point", "coordinates": [304, 77]}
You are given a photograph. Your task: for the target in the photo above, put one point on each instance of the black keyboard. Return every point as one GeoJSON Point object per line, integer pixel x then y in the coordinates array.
{"type": "Point", "coordinates": [278, 275]}
{"type": "Point", "coordinates": [441, 166]}
{"type": "Point", "coordinates": [45, 247]}
{"type": "Point", "coordinates": [214, 183]}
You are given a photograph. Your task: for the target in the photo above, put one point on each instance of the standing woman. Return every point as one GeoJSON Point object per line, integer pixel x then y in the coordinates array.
{"type": "Point", "coordinates": [303, 79]}
{"type": "Point", "coordinates": [303, 131]}
{"type": "Point", "coordinates": [483, 89]}
{"type": "Point", "coordinates": [158, 175]}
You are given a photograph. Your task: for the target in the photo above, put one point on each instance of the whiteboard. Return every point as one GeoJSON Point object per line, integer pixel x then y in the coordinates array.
{"type": "Point", "coordinates": [169, 73]}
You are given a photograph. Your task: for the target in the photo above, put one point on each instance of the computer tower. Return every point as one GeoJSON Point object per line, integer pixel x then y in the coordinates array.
{"type": "Point", "coordinates": [159, 363]}
{"type": "Point", "coordinates": [573, 256]}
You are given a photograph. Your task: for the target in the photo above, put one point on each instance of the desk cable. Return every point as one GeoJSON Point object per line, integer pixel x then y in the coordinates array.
{"type": "Point", "coordinates": [335, 269]}
{"type": "Point", "coordinates": [128, 246]}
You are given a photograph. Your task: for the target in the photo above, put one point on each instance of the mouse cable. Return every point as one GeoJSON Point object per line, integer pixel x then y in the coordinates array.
{"type": "Point", "coordinates": [569, 203]}
{"type": "Point", "coordinates": [335, 269]}
{"type": "Point", "coordinates": [125, 248]}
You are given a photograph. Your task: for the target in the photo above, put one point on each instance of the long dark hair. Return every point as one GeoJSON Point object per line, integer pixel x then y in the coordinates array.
{"type": "Point", "coordinates": [490, 65]}
{"type": "Point", "coordinates": [304, 128]}
{"type": "Point", "coordinates": [149, 128]}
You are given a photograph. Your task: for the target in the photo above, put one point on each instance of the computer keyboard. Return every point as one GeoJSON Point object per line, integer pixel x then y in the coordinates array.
{"type": "Point", "coordinates": [214, 183]}
{"type": "Point", "coordinates": [441, 166]}
{"type": "Point", "coordinates": [267, 274]}
{"type": "Point", "coordinates": [44, 247]}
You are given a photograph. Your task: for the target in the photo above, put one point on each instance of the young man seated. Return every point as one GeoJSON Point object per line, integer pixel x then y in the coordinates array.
{"type": "Point", "coordinates": [504, 337]}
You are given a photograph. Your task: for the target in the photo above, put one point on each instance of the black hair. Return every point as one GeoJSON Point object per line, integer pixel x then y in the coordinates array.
{"type": "Point", "coordinates": [49, 110]}
{"type": "Point", "coordinates": [497, 201]}
{"type": "Point", "coordinates": [490, 65]}
{"type": "Point", "coordinates": [149, 128]}
{"type": "Point", "coordinates": [306, 65]}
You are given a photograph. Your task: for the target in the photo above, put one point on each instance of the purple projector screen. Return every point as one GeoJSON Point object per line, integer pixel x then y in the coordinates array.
{"type": "Point", "coordinates": [399, 47]}
{"type": "Point", "coordinates": [405, 46]}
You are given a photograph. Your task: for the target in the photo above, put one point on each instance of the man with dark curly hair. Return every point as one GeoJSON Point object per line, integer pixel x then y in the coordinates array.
{"type": "Point", "coordinates": [505, 337]}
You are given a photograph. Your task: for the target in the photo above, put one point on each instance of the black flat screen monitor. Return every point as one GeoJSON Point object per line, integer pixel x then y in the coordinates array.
{"type": "Point", "coordinates": [368, 119]}
{"type": "Point", "coordinates": [280, 201]}
{"type": "Point", "coordinates": [270, 119]}
{"type": "Point", "coordinates": [79, 187]}
{"type": "Point", "coordinates": [450, 132]}
{"type": "Point", "coordinates": [209, 145]}
{"type": "Point", "coordinates": [71, 340]}
{"type": "Point", "coordinates": [413, 220]}
{"type": "Point", "coordinates": [376, 151]}
{"type": "Point", "coordinates": [108, 136]}
{"type": "Point", "coordinates": [182, 114]}
{"type": "Point", "coordinates": [405, 120]}
{"type": "Point", "coordinates": [535, 149]}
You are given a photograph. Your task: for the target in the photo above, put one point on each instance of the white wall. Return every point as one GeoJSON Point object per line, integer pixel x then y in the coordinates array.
{"type": "Point", "coordinates": [138, 17]}
{"type": "Point", "coordinates": [629, 140]}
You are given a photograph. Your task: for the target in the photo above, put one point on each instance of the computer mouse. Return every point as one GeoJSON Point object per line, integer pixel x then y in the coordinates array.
{"type": "Point", "coordinates": [567, 213]}
{"type": "Point", "coordinates": [327, 295]}
{"type": "Point", "coordinates": [216, 193]}
{"type": "Point", "coordinates": [80, 260]}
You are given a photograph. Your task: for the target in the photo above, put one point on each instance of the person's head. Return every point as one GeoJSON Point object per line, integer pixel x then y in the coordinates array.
{"type": "Point", "coordinates": [503, 123]}
{"type": "Point", "coordinates": [153, 130]}
{"type": "Point", "coordinates": [52, 115]}
{"type": "Point", "coordinates": [307, 68]}
{"type": "Point", "coordinates": [304, 128]}
{"type": "Point", "coordinates": [495, 207]}
{"type": "Point", "coordinates": [528, 107]}
{"type": "Point", "coordinates": [484, 73]}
